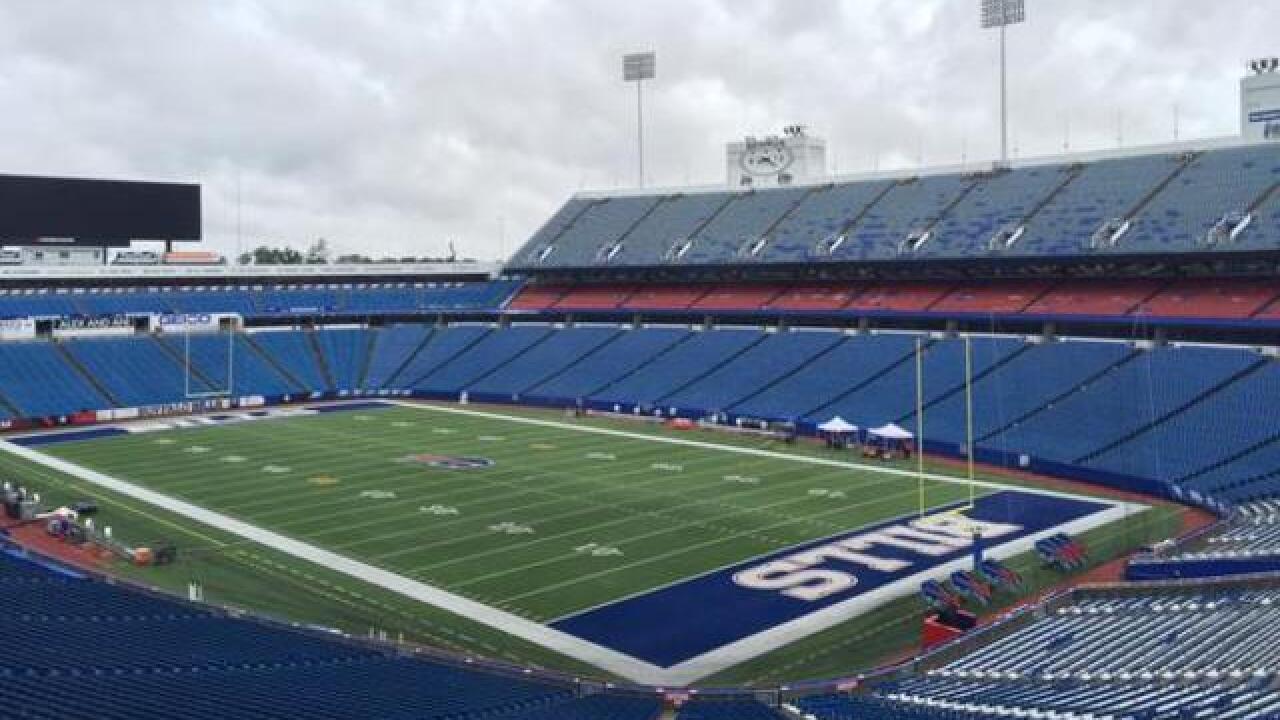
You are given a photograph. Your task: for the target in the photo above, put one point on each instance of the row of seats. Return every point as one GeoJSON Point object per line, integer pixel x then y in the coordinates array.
{"type": "Point", "coordinates": [406, 298]}
{"type": "Point", "coordinates": [1230, 299]}
{"type": "Point", "coordinates": [76, 648]}
{"type": "Point", "coordinates": [1147, 204]}
{"type": "Point", "coordinates": [1181, 654]}
{"type": "Point", "coordinates": [1194, 417]}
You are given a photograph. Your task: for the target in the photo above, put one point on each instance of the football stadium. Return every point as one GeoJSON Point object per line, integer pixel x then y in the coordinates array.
{"type": "Point", "coordinates": [953, 442]}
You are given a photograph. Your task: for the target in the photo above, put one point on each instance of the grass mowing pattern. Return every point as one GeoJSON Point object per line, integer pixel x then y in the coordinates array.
{"type": "Point", "coordinates": [342, 481]}
{"type": "Point", "coordinates": [668, 524]}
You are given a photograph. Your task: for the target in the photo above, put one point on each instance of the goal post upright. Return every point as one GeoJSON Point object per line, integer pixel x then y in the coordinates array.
{"type": "Point", "coordinates": [968, 415]}
{"type": "Point", "coordinates": [920, 422]}
{"type": "Point", "coordinates": [188, 365]}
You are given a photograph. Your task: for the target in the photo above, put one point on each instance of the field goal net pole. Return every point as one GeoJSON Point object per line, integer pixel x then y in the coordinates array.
{"type": "Point", "coordinates": [187, 368]}
{"type": "Point", "coordinates": [970, 467]}
{"type": "Point", "coordinates": [968, 417]}
{"type": "Point", "coordinates": [920, 423]}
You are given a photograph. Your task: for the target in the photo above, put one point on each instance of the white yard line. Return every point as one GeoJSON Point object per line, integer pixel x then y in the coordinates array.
{"type": "Point", "coordinates": [809, 459]}
{"type": "Point", "coordinates": [779, 636]}
{"type": "Point", "coordinates": [569, 645]}
{"type": "Point", "coordinates": [510, 623]}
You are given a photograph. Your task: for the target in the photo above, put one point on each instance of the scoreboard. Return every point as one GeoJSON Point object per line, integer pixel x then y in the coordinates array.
{"type": "Point", "coordinates": [84, 212]}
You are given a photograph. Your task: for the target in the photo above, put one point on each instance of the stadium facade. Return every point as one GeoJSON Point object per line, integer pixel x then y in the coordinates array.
{"type": "Point", "coordinates": [1106, 318]}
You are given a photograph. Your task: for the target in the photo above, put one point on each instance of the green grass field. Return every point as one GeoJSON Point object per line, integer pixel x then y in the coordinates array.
{"type": "Point", "coordinates": [563, 520]}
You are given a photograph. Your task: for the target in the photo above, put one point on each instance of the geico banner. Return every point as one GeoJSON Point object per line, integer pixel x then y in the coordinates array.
{"type": "Point", "coordinates": [192, 322]}
{"type": "Point", "coordinates": [17, 329]}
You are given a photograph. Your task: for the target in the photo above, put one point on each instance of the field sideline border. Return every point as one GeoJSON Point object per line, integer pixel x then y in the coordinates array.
{"type": "Point", "coordinates": [558, 641]}
{"type": "Point", "coordinates": [848, 464]}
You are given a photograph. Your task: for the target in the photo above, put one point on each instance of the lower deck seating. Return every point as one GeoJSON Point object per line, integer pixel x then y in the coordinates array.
{"type": "Point", "coordinates": [1175, 654]}
{"type": "Point", "coordinates": [1197, 419]}
{"type": "Point", "coordinates": [683, 364]}
{"type": "Point", "coordinates": [392, 347]}
{"type": "Point", "coordinates": [728, 709]}
{"type": "Point", "coordinates": [136, 371]}
{"type": "Point", "coordinates": [39, 382]}
{"type": "Point", "coordinates": [345, 352]}
{"type": "Point", "coordinates": [80, 649]}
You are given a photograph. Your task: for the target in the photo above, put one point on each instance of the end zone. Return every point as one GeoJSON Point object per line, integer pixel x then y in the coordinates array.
{"type": "Point", "coordinates": [732, 614]}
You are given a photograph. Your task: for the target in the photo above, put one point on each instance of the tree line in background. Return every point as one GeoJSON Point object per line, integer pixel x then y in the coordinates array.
{"type": "Point", "coordinates": [319, 254]}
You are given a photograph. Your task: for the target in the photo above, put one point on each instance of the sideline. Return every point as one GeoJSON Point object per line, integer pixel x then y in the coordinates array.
{"type": "Point", "coordinates": [772, 454]}
{"type": "Point", "coordinates": [512, 624]}
{"type": "Point", "coordinates": [564, 643]}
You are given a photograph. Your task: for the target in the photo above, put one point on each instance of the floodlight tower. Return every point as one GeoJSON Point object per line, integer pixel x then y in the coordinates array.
{"type": "Point", "coordinates": [1001, 14]}
{"type": "Point", "coordinates": [636, 68]}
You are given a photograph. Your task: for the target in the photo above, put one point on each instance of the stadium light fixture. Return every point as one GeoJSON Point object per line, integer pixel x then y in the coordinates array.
{"type": "Point", "coordinates": [1001, 14]}
{"type": "Point", "coordinates": [636, 68]}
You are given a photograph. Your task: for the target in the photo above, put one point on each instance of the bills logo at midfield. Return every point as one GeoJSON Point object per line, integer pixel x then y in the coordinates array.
{"type": "Point", "coordinates": [450, 462]}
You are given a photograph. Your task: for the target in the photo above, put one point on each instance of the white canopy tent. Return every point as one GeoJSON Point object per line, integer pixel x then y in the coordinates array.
{"type": "Point", "coordinates": [890, 431]}
{"type": "Point", "coordinates": [837, 424]}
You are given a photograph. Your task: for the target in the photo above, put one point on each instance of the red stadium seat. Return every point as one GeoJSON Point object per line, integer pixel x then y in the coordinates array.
{"type": "Point", "coordinates": [992, 297]}
{"type": "Point", "coordinates": [728, 297]}
{"type": "Point", "coordinates": [815, 297]}
{"type": "Point", "coordinates": [594, 298]}
{"type": "Point", "coordinates": [666, 297]}
{"type": "Point", "coordinates": [1089, 297]}
{"type": "Point", "coordinates": [1217, 298]}
{"type": "Point", "coordinates": [537, 297]}
{"type": "Point", "coordinates": [902, 297]}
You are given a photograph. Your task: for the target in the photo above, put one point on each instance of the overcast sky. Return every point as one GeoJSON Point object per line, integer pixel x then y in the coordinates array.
{"type": "Point", "coordinates": [395, 126]}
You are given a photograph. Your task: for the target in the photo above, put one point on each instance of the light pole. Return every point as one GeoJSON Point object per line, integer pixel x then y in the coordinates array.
{"type": "Point", "coordinates": [636, 68]}
{"type": "Point", "coordinates": [1001, 14]}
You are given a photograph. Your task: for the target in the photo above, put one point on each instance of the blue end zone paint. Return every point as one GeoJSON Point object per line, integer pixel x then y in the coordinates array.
{"type": "Point", "coordinates": [73, 436]}
{"type": "Point", "coordinates": [673, 624]}
{"type": "Point", "coordinates": [340, 407]}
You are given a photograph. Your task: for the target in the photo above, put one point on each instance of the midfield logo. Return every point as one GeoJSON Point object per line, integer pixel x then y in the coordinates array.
{"type": "Point", "coordinates": [450, 462]}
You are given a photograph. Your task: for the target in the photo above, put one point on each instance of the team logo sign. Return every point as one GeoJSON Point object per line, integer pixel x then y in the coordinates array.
{"type": "Point", "coordinates": [450, 462]}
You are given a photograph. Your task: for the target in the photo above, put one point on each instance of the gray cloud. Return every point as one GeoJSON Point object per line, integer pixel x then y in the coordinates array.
{"type": "Point", "coordinates": [392, 126]}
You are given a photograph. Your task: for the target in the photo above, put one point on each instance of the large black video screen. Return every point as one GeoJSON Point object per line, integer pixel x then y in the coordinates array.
{"type": "Point", "coordinates": [75, 211]}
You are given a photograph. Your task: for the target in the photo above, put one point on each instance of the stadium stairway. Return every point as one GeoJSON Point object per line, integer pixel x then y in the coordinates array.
{"type": "Point", "coordinates": [8, 409]}
{"type": "Point", "coordinates": [343, 353]}
{"type": "Point", "coordinates": [313, 344]}
{"type": "Point", "coordinates": [777, 355]}
{"type": "Point", "coordinates": [441, 347]}
{"type": "Point", "coordinates": [79, 367]}
{"type": "Point", "coordinates": [483, 358]}
{"type": "Point", "coordinates": [711, 364]}
{"type": "Point", "coordinates": [1194, 400]}
{"type": "Point", "coordinates": [540, 361]}
{"type": "Point", "coordinates": [366, 359]}
{"type": "Point", "coordinates": [807, 362]}
{"type": "Point", "coordinates": [202, 382]}
{"type": "Point", "coordinates": [614, 361]}
{"type": "Point", "coordinates": [1134, 212]}
{"type": "Point", "coordinates": [1083, 373]}
{"type": "Point", "coordinates": [818, 412]}
{"type": "Point", "coordinates": [305, 377]}
{"type": "Point", "coordinates": [393, 348]}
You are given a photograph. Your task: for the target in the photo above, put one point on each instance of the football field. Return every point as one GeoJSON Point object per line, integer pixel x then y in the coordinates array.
{"type": "Point", "coordinates": [574, 527]}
